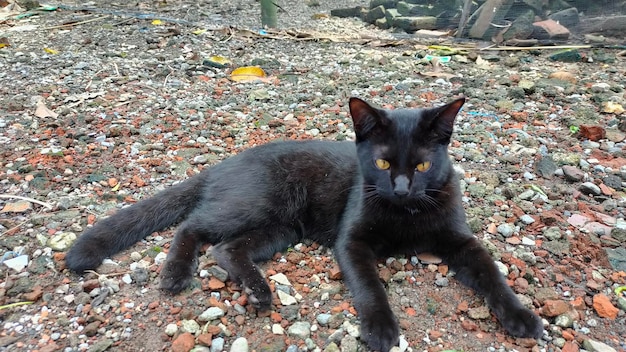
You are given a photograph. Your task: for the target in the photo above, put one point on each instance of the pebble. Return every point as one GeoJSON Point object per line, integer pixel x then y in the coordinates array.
{"type": "Point", "coordinates": [280, 278]}
{"type": "Point", "coordinates": [590, 188]}
{"type": "Point", "coordinates": [323, 319]}
{"type": "Point", "coordinates": [277, 329]}
{"type": "Point", "coordinates": [506, 229]}
{"type": "Point", "coordinates": [61, 241]}
{"type": "Point", "coordinates": [564, 321]}
{"type": "Point", "coordinates": [239, 345]}
{"type": "Point", "coordinates": [442, 282]}
{"type": "Point", "coordinates": [479, 313]}
{"type": "Point", "coordinates": [285, 298]}
{"type": "Point", "coordinates": [596, 346]}
{"type": "Point", "coordinates": [301, 329]}
{"type": "Point", "coordinates": [527, 219]}
{"type": "Point", "coordinates": [171, 329]}
{"type": "Point", "coordinates": [217, 344]}
{"type": "Point", "coordinates": [527, 195]}
{"type": "Point", "coordinates": [210, 314]}
{"type": "Point", "coordinates": [190, 326]}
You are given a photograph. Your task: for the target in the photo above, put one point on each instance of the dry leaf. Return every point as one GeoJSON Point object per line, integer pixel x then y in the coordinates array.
{"type": "Point", "coordinates": [247, 74]}
{"type": "Point", "coordinates": [43, 111]}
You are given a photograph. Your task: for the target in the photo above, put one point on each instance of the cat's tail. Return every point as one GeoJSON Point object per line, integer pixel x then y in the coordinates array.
{"type": "Point", "coordinates": [131, 224]}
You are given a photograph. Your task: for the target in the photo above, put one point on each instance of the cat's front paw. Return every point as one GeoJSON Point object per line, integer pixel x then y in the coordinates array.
{"type": "Point", "coordinates": [379, 330]}
{"type": "Point", "coordinates": [522, 322]}
{"type": "Point", "coordinates": [260, 297]}
{"type": "Point", "coordinates": [176, 276]}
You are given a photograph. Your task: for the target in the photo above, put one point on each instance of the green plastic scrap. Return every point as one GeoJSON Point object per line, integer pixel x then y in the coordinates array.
{"type": "Point", "coordinates": [36, 11]}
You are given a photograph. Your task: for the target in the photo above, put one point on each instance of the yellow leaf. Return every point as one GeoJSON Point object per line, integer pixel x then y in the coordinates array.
{"type": "Point", "coordinates": [247, 74]}
{"type": "Point", "coordinates": [116, 188]}
{"type": "Point", "coordinates": [218, 61]}
{"type": "Point", "coordinates": [199, 31]}
{"type": "Point", "coordinates": [612, 108]}
{"type": "Point", "coordinates": [3, 45]}
{"type": "Point", "coordinates": [51, 51]}
{"type": "Point", "coordinates": [157, 22]}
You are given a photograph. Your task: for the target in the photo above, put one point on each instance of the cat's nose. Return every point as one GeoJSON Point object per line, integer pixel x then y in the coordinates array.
{"type": "Point", "coordinates": [401, 192]}
{"type": "Point", "coordinates": [401, 187]}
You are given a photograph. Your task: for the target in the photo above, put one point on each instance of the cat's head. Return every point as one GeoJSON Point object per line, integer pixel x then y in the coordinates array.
{"type": "Point", "coordinates": [403, 153]}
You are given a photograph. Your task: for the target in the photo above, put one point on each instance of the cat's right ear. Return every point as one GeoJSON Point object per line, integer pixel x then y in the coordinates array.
{"type": "Point", "coordinates": [366, 118]}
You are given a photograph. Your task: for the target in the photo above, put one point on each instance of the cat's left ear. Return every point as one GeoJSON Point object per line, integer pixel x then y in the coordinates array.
{"type": "Point", "coordinates": [366, 118]}
{"type": "Point", "coordinates": [443, 117]}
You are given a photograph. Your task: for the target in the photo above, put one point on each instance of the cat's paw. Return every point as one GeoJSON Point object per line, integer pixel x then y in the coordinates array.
{"type": "Point", "coordinates": [176, 276]}
{"type": "Point", "coordinates": [522, 322]}
{"type": "Point", "coordinates": [260, 297]}
{"type": "Point", "coordinates": [379, 330]}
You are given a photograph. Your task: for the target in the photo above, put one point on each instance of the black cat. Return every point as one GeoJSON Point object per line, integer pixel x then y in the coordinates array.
{"type": "Point", "coordinates": [393, 191]}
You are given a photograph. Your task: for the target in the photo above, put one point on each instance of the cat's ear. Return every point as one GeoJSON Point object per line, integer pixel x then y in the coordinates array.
{"type": "Point", "coordinates": [366, 118]}
{"type": "Point", "coordinates": [443, 117]}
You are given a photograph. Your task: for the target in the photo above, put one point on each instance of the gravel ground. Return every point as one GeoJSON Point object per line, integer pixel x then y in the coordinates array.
{"type": "Point", "coordinates": [100, 107]}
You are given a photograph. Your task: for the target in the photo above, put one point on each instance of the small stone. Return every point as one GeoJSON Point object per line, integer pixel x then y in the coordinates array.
{"type": "Point", "coordinates": [527, 219]}
{"type": "Point", "coordinates": [210, 314]}
{"type": "Point", "coordinates": [603, 306]}
{"type": "Point", "coordinates": [564, 321]}
{"type": "Point", "coordinates": [527, 195]}
{"type": "Point", "coordinates": [479, 313]}
{"type": "Point", "coordinates": [277, 329]}
{"type": "Point", "coordinates": [61, 241]}
{"type": "Point", "coordinates": [323, 319]}
{"type": "Point", "coordinates": [285, 298]}
{"type": "Point", "coordinates": [190, 326]}
{"type": "Point", "coordinates": [552, 233]}
{"type": "Point", "coordinates": [219, 273]}
{"type": "Point", "coordinates": [280, 278]}
{"type": "Point", "coordinates": [590, 188]}
{"type": "Point", "coordinates": [442, 282]}
{"type": "Point", "coordinates": [553, 308]}
{"type": "Point", "coordinates": [217, 345]}
{"type": "Point", "coordinates": [545, 167]}
{"type": "Point", "coordinates": [171, 329]}
{"type": "Point", "coordinates": [596, 346]}
{"type": "Point", "coordinates": [428, 258]}
{"type": "Point", "coordinates": [183, 343]}
{"type": "Point", "coordinates": [300, 329]}
{"type": "Point", "coordinates": [506, 229]}
{"type": "Point", "coordinates": [239, 345]}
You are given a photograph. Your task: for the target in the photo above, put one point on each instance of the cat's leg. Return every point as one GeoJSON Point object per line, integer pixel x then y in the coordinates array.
{"type": "Point", "coordinates": [182, 258]}
{"type": "Point", "coordinates": [379, 327]}
{"type": "Point", "coordinates": [239, 255]}
{"type": "Point", "coordinates": [475, 268]}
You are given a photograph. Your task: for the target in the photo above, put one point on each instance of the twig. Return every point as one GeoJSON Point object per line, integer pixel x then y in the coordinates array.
{"type": "Point", "coordinates": [117, 71]}
{"type": "Point", "coordinates": [91, 80]}
{"type": "Point", "coordinates": [10, 196]}
{"type": "Point", "coordinates": [516, 48]}
{"type": "Point", "coordinates": [16, 304]}
{"type": "Point", "coordinates": [76, 23]}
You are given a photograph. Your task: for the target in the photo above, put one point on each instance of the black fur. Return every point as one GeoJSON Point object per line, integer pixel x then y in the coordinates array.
{"type": "Point", "coordinates": [257, 203]}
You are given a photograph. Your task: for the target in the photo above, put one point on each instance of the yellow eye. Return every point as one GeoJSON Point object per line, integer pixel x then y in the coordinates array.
{"type": "Point", "coordinates": [382, 164]}
{"type": "Point", "coordinates": [423, 167]}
